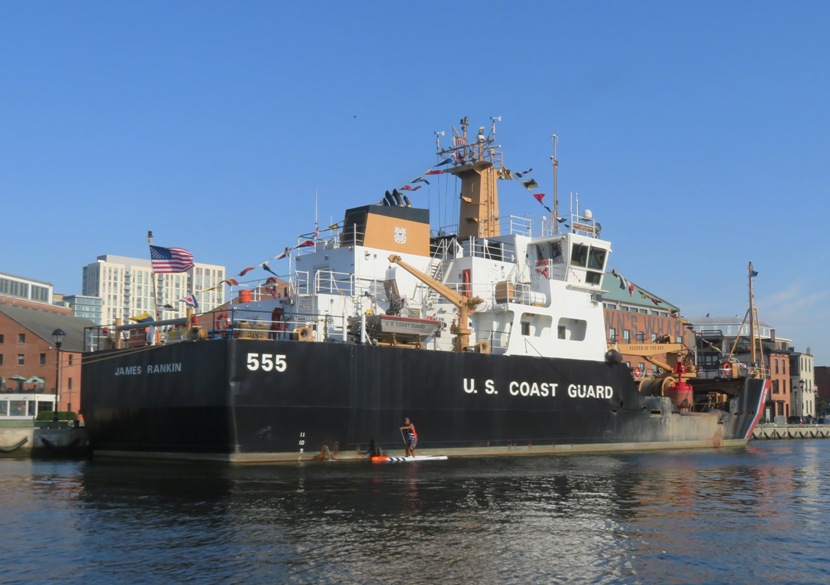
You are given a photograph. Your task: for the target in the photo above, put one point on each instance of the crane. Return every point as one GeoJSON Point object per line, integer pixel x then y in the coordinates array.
{"type": "Point", "coordinates": [463, 303]}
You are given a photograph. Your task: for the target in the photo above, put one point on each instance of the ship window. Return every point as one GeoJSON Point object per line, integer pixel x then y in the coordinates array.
{"type": "Point", "coordinates": [556, 256]}
{"type": "Point", "coordinates": [572, 329]}
{"type": "Point", "coordinates": [579, 255]}
{"type": "Point", "coordinates": [536, 325]}
{"type": "Point", "coordinates": [596, 259]}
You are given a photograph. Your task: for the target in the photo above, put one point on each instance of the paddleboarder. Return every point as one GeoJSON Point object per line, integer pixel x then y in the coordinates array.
{"type": "Point", "coordinates": [410, 437]}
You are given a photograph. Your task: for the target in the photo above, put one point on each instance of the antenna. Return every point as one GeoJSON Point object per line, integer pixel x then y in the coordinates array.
{"type": "Point", "coordinates": [493, 120]}
{"type": "Point", "coordinates": [437, 139]}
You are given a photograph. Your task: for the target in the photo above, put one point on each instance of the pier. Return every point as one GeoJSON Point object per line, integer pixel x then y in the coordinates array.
{"type": "Point", "coordinates": [772, 431]}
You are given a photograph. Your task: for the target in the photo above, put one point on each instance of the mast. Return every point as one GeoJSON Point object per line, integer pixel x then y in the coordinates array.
{"type": "Point", "coordinates": [476, 164]}
{"type": "Point", "coordinates": [555, 164]}
{"type": "Point", "coordinates": [155, 298]}
{"type": "Point", "coordinates": [751, 318]}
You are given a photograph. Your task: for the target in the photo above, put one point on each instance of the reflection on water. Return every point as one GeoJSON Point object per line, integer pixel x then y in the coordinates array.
{"type": "Point", "coordinates": [683, 517]}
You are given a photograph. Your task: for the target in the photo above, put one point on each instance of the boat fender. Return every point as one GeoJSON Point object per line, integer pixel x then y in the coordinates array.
{"type": "Point", "coordinates": [612, 356]}
{"type": "Point", "coordinates": [15, 447]}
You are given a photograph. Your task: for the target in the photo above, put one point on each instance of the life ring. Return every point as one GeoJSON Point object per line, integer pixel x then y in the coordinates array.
{"type": "Point", "coordinates": [637, 373]}
{"type": "Point", "coordinates": [542, 267]}
{"type": "Point", "coordinates": [222, 321]}
{"type": "Point", "coordinates": [727, 369]}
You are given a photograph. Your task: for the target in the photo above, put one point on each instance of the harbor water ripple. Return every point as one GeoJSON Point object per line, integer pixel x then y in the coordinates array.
{"type": "Point", "coordinates": [729, 516]}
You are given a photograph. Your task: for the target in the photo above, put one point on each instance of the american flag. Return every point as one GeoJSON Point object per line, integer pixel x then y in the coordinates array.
{"type": "Point", "coordinates": [166, 260]}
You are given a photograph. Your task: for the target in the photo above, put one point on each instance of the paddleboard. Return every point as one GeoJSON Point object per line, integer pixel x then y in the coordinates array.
{"type": "Point", "coordinates": [402, 459]}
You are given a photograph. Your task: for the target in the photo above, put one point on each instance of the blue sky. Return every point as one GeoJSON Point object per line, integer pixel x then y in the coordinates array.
{"type": "Point", "coordinates": [698, 133]}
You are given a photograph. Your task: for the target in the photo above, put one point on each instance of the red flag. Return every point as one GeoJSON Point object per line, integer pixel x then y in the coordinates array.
{"type": "Point", "coordinates": [305, 244]}
{"type": "Point", "coordinates": [246, 271]}
{"type": "Point", "coordinates": [539, 197]}
{"type": "Point", "coordinates": [434, 172]}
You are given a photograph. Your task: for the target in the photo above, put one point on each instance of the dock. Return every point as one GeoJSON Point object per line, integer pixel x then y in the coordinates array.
{"type": "Point", "coordinates": [773, 431]}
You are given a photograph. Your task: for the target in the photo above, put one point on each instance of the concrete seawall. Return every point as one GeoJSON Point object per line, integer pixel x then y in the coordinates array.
{"type": "Point", "coordinates": [791, 432]}
{"type": "Point", "coordinates": [42, 439]}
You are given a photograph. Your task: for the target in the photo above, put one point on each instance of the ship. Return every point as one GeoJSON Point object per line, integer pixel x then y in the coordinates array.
{"type": "Point", "coordinates": [489, 336]}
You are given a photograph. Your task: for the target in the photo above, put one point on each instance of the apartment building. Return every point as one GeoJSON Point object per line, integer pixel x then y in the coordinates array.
{"type": "Point", "coordinates": [128, 287]}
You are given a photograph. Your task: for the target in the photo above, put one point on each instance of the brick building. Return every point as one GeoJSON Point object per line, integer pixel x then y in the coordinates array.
{"type": "Point", "coordinates": [638, 316]}
{"type": "Point", "coordinates": [29, 366]}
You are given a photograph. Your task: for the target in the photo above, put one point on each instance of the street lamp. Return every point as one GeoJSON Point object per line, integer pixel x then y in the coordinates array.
{"type": "Point", "coordinates": [57, 337]}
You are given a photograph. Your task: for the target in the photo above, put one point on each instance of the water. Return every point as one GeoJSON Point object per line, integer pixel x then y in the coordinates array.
{"type": "Point", "coordinates": [731, 516]}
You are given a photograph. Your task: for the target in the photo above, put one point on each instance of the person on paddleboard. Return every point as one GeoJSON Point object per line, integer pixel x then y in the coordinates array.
{"type": "Point", "coordinates": [411, 437]}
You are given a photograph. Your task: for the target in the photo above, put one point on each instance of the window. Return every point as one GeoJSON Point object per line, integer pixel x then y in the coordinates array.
{"type": "Point", "coordinates": [556, 253]}
{"type": "Point", "coordinates": [641, 337]}
{"type": "Point", "coordinates": [1, 338]}
{"type": "Point", "coordinates": [653, 337]}
{"type": "Point", "coordinates": [43, 359]}
{"type": "Point", "coordinates": [21, 359]}
{"type": "Point", "coordinates": [596, 259]}
{"type": "Point", "coordinates": [612, 335]}
{"type": "Point", "coordinates": [71, 360]}
{"type": "Point", "coordinates": [579, 255]}
{"type": "Point", "coordinates": [1, 359]}
{"type": "Point", "coordinates": [626, 336]}
{"type": "Point", "coordinates": [21, 338]}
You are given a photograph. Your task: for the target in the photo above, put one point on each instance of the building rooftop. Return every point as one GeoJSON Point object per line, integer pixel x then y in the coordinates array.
{"type": "Point", "coordinates": [42, 323]}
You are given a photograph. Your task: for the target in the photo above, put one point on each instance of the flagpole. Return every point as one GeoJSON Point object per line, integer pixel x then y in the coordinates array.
{"type": "Point", "coordinates": [752, 317]}
{"type": "Point", "coordinates": [555, 164]}
{"type": "Point", "coordinates": [155, 300]}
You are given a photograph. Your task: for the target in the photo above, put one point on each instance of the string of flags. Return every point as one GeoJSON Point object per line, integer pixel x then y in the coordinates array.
{"type": "Point", "coordinates": [625, 284]}
{"type": "Point", "coordinates": [271, 281]}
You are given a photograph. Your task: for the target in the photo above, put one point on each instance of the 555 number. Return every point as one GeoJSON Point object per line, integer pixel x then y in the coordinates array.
{"type": "Point", "coordinates": [267, 362]}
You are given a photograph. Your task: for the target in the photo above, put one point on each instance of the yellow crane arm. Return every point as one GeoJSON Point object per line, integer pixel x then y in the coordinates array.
{"type": "Point", "coordinates": [651, 351]}
{"type": "Point", "coordinates": [462, 303]}
{"type": "Point", "coordinates": [451, 295]}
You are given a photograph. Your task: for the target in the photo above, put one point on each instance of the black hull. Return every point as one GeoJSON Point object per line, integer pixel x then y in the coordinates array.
{"type": "Point", "coordinates": [207, 400]}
